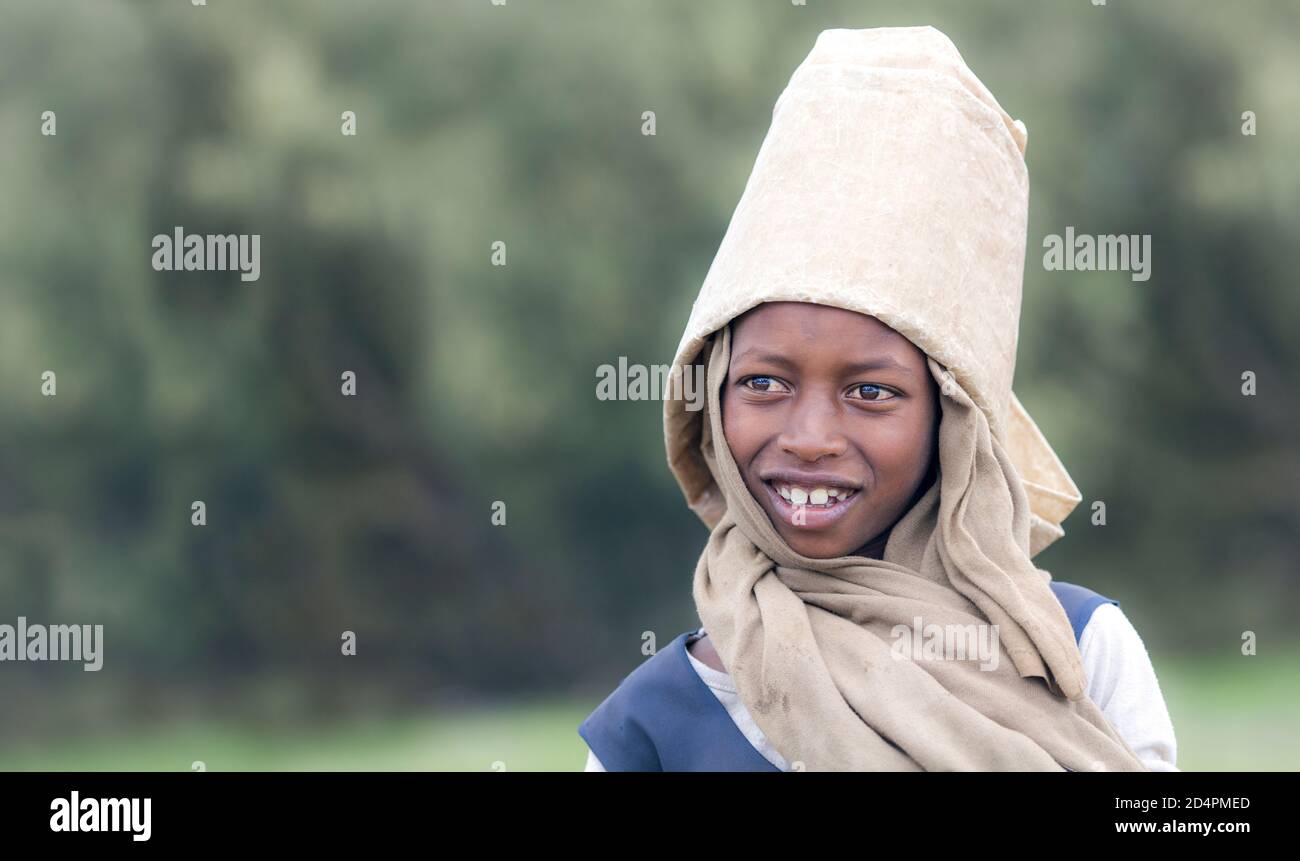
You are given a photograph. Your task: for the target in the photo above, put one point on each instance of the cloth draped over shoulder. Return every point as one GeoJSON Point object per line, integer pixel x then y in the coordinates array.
{"type": "Point", "coordinates": [893, 184]}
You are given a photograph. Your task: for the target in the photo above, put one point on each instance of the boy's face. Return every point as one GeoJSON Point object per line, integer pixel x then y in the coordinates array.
{"type": "Point", "coordinates": [832, 417]}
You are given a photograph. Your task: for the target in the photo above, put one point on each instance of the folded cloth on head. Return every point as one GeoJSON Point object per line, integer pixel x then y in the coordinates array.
{"type": "Point", "coordinates": [893, 184]}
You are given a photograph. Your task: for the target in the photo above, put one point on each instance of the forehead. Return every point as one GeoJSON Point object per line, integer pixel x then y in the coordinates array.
{"type": "Point", "coordinates": [793, 325]}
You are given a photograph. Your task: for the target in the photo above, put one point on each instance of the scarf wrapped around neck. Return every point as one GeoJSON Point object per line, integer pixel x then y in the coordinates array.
{"type": "Point", "coordinates": [813, 644]}
{"type": "Point", "coordinates": [891, 183]}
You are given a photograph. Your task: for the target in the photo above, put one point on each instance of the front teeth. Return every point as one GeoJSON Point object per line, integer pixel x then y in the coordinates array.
{"type": "Point", "coordinates": [815, 496]}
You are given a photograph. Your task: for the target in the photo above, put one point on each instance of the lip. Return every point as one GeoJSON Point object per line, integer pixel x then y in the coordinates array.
{"type": "Point", "coordinates": [812, 517]}
{"type": "Point", "coordinates": [809, 479]}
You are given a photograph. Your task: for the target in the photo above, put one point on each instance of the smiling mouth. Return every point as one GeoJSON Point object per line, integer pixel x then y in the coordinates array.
{"type": "Point", "coordinates": [822, 496]}
{"type": "Point", "coordinates": [810, 507]}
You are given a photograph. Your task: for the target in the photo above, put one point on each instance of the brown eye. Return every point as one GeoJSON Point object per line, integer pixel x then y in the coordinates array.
{"type": "Point", "coordinates": [870, 392]}
{"type": "Point", "coordinates": [763, 384]}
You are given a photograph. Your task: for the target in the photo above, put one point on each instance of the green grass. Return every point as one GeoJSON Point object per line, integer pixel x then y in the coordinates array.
{"type": "Point", "coordinates": [1235, 713]}
{"type": "Point", "coordinates": [535, 737]}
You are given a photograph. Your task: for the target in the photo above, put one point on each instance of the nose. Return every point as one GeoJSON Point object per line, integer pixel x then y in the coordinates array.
{"type": "Point", "coordinates": [812, 430]}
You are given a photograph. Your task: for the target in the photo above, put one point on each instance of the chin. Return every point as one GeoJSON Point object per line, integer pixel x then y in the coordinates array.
{"type": "Point", "coordinates": [823, 547]}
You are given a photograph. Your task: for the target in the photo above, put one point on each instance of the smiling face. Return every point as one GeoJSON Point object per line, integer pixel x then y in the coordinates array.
{"type": "Point", "coordinates": [832, 418]}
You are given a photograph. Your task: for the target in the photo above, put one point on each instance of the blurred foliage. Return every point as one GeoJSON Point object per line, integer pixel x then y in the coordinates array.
{"type": "Point", "coordinates": [522, 123]}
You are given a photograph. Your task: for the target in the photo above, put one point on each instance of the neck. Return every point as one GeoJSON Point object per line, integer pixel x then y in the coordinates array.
{"type": "Point", "coordinates": [875, 548]}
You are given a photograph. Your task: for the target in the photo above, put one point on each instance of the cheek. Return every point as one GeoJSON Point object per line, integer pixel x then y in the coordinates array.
{"type": "Point", "coordinates": [743, 429]}
{"type": "Point", "coordinates": [901, 453]}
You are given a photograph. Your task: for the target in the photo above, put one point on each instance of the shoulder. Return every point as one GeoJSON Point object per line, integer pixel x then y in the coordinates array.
{"type": "Point", "coordinates": [1079, 603]}
{"type": "Point", "coordinates": [1110, 642]}
{"type": "Point", "coordinates": [621, 731]}
{"type": "Point", "coordinates": [1122, 682]}
{"type": "Point", "coordinates": [1109, 623]}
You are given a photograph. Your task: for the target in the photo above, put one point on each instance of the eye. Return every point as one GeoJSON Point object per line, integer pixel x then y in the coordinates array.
{"type": "Point", "coordinates": [766, 385]}
{"type": "Point", "coordinates": [871, 392]}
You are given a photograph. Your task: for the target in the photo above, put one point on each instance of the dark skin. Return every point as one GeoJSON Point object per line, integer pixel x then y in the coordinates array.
{"type": "Point", "coordinates": [817, 396]}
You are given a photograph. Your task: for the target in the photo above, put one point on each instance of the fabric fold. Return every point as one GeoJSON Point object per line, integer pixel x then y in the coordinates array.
{"type": "Point", "coordinates": [893, 184]}
{"type": "Point", "coordinates": [811, 644]}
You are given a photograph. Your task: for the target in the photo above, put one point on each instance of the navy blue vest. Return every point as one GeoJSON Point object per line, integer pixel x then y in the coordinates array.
{"type": "Point", "coordinates": [663, 717]}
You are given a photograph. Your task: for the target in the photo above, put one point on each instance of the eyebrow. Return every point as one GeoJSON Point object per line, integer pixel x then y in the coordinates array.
{"type": "Point", "coordinates": [880, 363]}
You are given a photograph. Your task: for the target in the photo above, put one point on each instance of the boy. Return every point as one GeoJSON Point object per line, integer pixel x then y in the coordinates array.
{"type": "Point", "coordinates": [867, 471]}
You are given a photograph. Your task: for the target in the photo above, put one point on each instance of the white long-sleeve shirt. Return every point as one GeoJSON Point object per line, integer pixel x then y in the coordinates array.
{"type": "Point", "coordinates": [1121, 681]}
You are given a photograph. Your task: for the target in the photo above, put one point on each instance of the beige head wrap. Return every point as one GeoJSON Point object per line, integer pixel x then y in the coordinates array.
{"type": "Point", "coordinates": [893, 184]}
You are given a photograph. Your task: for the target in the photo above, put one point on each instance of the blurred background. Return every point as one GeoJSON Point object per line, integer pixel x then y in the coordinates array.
{"type": "Point", "coordinates": [482, 644]}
